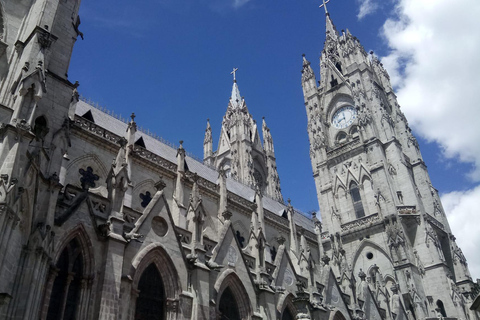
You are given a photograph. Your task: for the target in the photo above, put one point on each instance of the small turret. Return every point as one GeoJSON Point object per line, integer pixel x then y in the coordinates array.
{"type": "Point", "coordinates": [273, 180]}
{"type": "Point", "coordinates": [293, 229]}
{"type": "Point", "coordinates": [208, 145]}
{"type": "Point", "coordinates": [309, 82]}
{"type": "Point", "coordinates": [179, 210]}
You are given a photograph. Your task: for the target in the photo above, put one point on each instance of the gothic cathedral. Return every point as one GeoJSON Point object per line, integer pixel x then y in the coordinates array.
{"type": "Point", "coordinates": [157, 234]}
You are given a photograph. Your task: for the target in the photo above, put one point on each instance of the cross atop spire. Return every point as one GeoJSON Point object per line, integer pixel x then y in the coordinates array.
{"type": "Point", "coordinates": [324, 5]}
{"type": "Point", "coordinates": [234, 73]}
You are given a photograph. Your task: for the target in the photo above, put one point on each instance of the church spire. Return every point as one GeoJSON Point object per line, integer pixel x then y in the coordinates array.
{"type": "Point", "coordinates": [240, 153]}
{"type": "Point", "coordinates": [235, 98]}
{"type": "Point", "coordinates": [330, 27]}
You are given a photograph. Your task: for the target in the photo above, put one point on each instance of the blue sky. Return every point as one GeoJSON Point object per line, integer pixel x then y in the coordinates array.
{"type": "Point", "coordinates": [169, 61]}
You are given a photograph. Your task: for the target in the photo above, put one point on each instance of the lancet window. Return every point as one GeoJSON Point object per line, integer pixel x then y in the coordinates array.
{"type": "Point", "coordinates": [228, 306]}
{"type": "Point", "coordinates": [67, 284]}
{"type": "Point", "coordinates": [357, 200]}
{"type": "Point", "coordinates": [150, 303]}
{"type": "Point", "coordinates": [287, 315]}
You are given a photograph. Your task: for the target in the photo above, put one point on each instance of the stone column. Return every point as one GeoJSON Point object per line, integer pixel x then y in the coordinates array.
{"type": "Point", "coordinates": [70, 277]}
{"type": "Point", "coordinates": [109, 294]}
{"type": "Point", "coordinates": [48, 292]}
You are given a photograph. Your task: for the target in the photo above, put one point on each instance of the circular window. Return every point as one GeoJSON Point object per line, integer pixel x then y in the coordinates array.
{"type": "Point", "coordinates": [159, 226]}
{"type": "Point", "coordinates": [369, 255]}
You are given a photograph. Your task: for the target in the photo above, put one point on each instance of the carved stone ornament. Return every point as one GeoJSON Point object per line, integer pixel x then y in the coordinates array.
{"type": "Point", "coordinates": [232, 255]}
{"type": "Point", "coordinates": [332, 52]}
{"type": "Point", "coordinates": [288, 277]}
{"type": "Point", "coordinates": [45, 39]}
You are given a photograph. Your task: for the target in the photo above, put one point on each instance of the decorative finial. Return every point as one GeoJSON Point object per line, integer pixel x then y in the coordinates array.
{"type": "Point", "coordinates": [362, 275]}
{"type": "Point", "coordinates": [234, 74]}
{"type": "Point", "coordinates": [324, 5]}
{"type": "Point", "coordinates": [133, 116]}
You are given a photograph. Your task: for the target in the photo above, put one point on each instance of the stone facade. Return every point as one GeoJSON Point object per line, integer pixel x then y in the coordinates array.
{"type": "Point", "coordinates": [156, 234]}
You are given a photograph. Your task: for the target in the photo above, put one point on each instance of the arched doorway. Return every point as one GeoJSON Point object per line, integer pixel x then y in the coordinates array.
{"type": "Point", "coordinates": [65, 293]}
{"type": "Point", "coordinates": [156, 283]}
{"type": "Point", "coordinates": [287, 315]}
{"type": "Point", "coordinates": [338, 316]}
{"type": "Point", "coordinates": [228, 308]}
{"type": "Point", "coordinates": [286, 308]}
{"type": "Point", "coordinates": [233, 299]}
{"type": "Point", "coordinates": [151, 298]}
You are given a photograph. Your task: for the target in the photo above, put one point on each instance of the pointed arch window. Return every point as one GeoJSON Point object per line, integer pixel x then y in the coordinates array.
{"type": "Point", "coordinates": [287, 315]}
{"type": "Point", "coordinates": [228, 306]}
{"type": "Point", "coordinates": [66, 288]}
{"type": "Point", "coordinates": [441, 308]}
{"type": "Point", "coordinates": [40, 128]}
{"type": "Point", "coordinates": [357, 200]}
{"type": "Point", "coordinates": [151, 298]}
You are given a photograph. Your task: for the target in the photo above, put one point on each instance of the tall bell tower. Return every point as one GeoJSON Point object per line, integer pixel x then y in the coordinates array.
{"type": "Point", "coordinates": [240, 153]}
{"type": "Point", "coordinates": [37, 105]}
{"type": "Point", "coordinates": [381, 216]}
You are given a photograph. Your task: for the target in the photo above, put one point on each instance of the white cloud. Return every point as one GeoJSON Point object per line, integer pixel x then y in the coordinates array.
{"type": "Point", "coordinates": [434, 64]}
{"type": "Point", "coordinates": [366, 7]}
{"type": "Point", "coordinates": [463, 215]}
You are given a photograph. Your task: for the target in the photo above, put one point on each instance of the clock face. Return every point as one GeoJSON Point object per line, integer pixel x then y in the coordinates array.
{"type": "Point", "coordinates": [344, 117]}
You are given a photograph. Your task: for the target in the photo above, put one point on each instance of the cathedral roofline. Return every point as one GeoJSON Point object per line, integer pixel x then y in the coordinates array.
{"type": "Point", "coordinates": [168, 151]}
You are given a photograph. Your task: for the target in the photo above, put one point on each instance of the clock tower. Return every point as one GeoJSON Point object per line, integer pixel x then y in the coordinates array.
{"type": "Point", "coordinates": [382, 218]}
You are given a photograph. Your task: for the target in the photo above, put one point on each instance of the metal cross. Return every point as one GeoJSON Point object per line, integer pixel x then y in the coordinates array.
{"type": "Point", "coordinates": [233, 72]}
{"type": "Point", "coordinates": [324, 5]}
